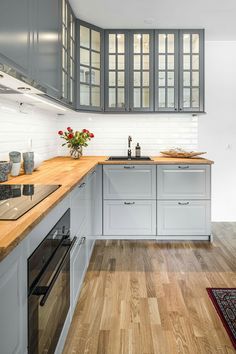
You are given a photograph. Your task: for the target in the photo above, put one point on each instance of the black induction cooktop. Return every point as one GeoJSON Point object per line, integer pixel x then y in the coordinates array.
{"type": "Point", "coordinates": [17, 199]}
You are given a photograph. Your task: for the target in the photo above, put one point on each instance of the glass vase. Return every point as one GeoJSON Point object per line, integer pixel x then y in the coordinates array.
{"type": "Point", "coordinates": [76, 152]}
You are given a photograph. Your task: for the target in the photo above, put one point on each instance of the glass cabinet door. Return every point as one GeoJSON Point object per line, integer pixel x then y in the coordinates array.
{"type": "Point", "coordinates": [68, 53]}
{"type": "Point", "coordinates": [116, 71]}
{"type": "Point", "coordinates": [166, 70]}
{"type": "Point", "coordinates": [191, 71]}
{"type": "Point", "coordinates": [141, 70]}
{"type": "Point", "coordinates": [90, 67]}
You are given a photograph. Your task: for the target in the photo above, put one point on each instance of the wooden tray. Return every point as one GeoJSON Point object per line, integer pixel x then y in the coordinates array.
{"type": "Point", "coordinates": [184, 154]}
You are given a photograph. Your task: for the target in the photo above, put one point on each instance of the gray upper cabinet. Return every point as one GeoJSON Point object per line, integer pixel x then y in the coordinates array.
{"type": "Point", "coordinates": [191, 70]}
{"type": "Point", "coordinates": [141, 70]}
{"type": "Point", "coordinates": [68, 54]}
{"type": "Point", "coordinates": [46, 46]}
{"type": "Point", "coordinates": [116, 71]}
{"type": "Point", "coordinates": [16, 34]}
{"type": "Point", "coordinates": [166, 70]}
{"type": "Point", "coordinates": [90, 67]}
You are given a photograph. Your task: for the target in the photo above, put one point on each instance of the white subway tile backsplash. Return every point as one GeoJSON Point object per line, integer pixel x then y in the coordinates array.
{"type": "Point", "coordinates": [153, 132]}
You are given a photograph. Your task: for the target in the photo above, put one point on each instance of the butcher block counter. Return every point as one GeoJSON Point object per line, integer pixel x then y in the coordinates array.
{"type": "Point", "coordinates": [68, 173]}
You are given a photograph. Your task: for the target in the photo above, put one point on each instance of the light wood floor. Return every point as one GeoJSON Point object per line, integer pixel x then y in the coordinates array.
{"type": "Point", "coordinates": [146, 297]}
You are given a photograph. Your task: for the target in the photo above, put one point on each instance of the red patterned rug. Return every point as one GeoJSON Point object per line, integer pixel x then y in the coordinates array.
{"type": "Point", "coordinates": [224, 301]}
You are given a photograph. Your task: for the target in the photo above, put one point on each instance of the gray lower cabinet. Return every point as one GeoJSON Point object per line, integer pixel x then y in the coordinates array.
{"type": "Point", "coordinates": [16, 34]}
{"type": "Point", "coordinates": [129, 217]}
{"type": "Point", "coordinates": [183, 218]}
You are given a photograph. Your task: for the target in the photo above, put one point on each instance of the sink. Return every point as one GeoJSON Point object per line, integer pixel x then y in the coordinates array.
{"type": "Point", "coordinates": [126, 158]}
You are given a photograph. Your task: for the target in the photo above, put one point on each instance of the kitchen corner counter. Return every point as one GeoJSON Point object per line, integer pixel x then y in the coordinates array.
{"type": "Point", "coordinates": [68, 173]}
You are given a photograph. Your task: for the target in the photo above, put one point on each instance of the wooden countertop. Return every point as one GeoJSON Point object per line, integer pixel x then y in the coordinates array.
{"type": "Point", "coordinates": [68, 173]}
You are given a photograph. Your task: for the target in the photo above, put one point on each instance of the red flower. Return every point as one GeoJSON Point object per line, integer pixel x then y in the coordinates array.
{"type": "Point", "coordinates": [91, 135]}
{"type": "Point", "coordinates": [70, 136]}
{"type": "Point", "coordinates": [85, 131]}
{"type": "Point", "coordinates": [60, 132]}
{"type": "Point", "coordinates": [69, 129]}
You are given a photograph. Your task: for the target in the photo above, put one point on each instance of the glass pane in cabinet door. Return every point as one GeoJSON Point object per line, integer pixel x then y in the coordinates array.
{"type": "Point", "coordinates": [186, 62]}
{"type": "Point", "coordinates": [84, 37]}
{"type": "Point", "coordinates": [95, 77]}
{"type": "Point", "coordinates": [112, 43]}
{"type": "Point", "coordinates": [112, 62]}
{"type": "Point", "coordinates": [121, 78]}
{"type": "Point", "coordinates": [63, 11]}
{"type": "Point", "coordinates": [186, 78]}
{"type": "Point", "coordinates": [83, 70]}
{"type": "Point", "coordinates": [95, 96]}
{"type": "Point", "coordinates": [137, 43]}
{"type": "Point", "coordinates": [137, 98]}
{"type": "Point", "coordinates": [112, 78]}
{"type": "Point", "coordinates": [145, 78]}
{"type": "Point", "coordinates": [162, 62]}
{"type": "Point", "coordinates": [71, 90]}
{"type": "Point", "coordinates": [112, 97]}
{"type": "Point", "coordinates": [137, 62]}
{"type": "Point", "coordinates": [121, 62]}
{"type": "Point", "coordinates": [64, 57]}
{"type": "Point", "coordinates": [195, 97]}
{"type": "Point", "coordinates": [170, 62]}
{"type": "Point", "coordinates": [145, 62]}
{"type": "Point", "coordinates": [96, 60]}
{"type": "Point", "coordinates": [195, 43]}
{"type": "Point", "coordinates": [121, 97]}
{"type": "Point", "coordinates": [95, 45]}
{"type": "Point", "coordinates": [72, 74]}
{"type": "Point", "coordinates": [137, 78]}
{"type": "Point", "coordinates": [84, 95]}
{"type": "Point", "coordinates": [170, 98]}
{"type": "Point", "coordinates": [186, 97]}
{"type": "Point", "coordinates": [120, 43]}
{"type": "Point", "coordinates": [162, 78]}
{"type": "Point", "coordinates": [146, 45]}
{"type": "Point", "coordinates": [170, 78]}
{"type": "Point", "coordinates": [186, 44]}
{"type": "Point", "coordinates": [162, 43]}
{"type": "Point", "coordinates": [195, 62]}
{"type": "Point", "coordinates": [84, 57]}
{"type": "Point", "coordinates": [145, 102]}
{"type": "Point", "coordinates": [170, 43]}
{"type": "Point", "coordinates": [195, 78]}
{"type": "Point", "coordinates": [87, 76]}
{"type": "Point", "coordinates": [162, 97]}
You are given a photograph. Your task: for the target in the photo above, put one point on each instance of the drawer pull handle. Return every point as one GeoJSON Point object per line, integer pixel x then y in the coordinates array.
{"type": "Point", "coordinates": [129, 167]}
{"type": "Point", "coordinates": [82, 240]}
{"type": "Point", "coordinates": [129, 203]}
{"type": "Point", "coordinates": [82, 185]}
{"type": "Point", "coordinates": [186, 203]}
{"type": "Point", "coordinates": [183, 167]}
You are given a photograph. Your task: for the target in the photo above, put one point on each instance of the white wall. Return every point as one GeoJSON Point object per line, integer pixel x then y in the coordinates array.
{"type": "Point", "coordinates": [16, 129]}
{"type": "Point", "coordinates": [217, 129]}
{"type": "Point", "coordinates": [214, 132]}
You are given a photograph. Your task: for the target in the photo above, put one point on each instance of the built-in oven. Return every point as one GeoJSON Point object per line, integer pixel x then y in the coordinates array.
{"type": "Point", "coordinates": [49, 288]}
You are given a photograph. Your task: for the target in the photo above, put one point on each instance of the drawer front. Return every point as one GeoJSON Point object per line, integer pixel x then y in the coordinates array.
{"type": "Point", "coordinates": [129, 217]}
{"type": "Point", "coordinates": [129, 182]}
{"type": "Point", "coordinates": [183, 217]}
{"type": "Point", "coordinates": [183, 182]}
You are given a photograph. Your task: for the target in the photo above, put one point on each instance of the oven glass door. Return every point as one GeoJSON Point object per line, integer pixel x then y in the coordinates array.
{"type": "Point", "coordinates": [47, 312]}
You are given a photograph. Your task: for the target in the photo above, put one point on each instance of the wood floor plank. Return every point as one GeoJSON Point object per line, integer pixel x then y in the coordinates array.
{"type": "Point", "coordinates": [143, 297]}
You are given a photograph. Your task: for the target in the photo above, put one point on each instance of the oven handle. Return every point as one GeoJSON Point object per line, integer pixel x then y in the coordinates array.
{"type": "Point", "coordinates": [47, 289]}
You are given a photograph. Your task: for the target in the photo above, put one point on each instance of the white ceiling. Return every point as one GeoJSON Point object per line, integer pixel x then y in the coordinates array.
{"type": "Point", "coordinates": [218, 17]}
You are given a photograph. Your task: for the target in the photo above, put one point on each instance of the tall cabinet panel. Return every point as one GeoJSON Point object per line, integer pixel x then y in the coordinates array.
{"type": "Point", "coordinates": [47, 33]}
{"type": "Point", "coordinates": [191, 71]}
{"type": "Point", "coordinates": [16, 35]}
{"type": "Point", "coordinates": [166, 70]}
{"type": "Point", "coordinates": [141, 70]}
{"type": "Point", "coordinates": [68, 54]}
{"type": "Point", "coordinates": [116, 71]}
{"type": "Point", "coordinates": [90, 67]}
